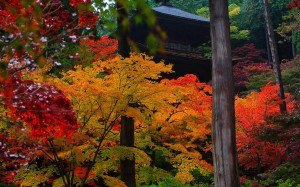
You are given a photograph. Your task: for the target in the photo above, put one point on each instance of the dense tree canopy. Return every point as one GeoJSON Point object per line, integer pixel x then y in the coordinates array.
{"type": "Point", "coordinates": [64, 91]}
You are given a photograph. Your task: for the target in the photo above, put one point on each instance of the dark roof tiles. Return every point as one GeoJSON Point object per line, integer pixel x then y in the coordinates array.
{"type": "Point", "coordinates": [170, 10]}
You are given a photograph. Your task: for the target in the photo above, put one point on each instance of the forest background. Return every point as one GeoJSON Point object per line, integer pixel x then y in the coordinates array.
{"type": "Point", "coordinates": [64, 90]}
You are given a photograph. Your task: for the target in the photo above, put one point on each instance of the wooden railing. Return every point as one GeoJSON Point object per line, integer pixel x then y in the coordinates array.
{"type": "Point", "coordinates": [182, 47]}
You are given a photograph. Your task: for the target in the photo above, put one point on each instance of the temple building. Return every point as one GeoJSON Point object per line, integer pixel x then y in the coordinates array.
{"type": "Point", "coordinates": [185, 33]}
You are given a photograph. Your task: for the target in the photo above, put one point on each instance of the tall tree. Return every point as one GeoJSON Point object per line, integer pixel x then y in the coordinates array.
{"type": "Point", "coordinates": [223, 127]}
{"type": "Point", "coordinates": [274, 54]}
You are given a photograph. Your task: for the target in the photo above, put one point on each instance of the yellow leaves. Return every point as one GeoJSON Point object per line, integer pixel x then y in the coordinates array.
{"type": "Point", "coordinates": [176, 111]}
{"type": "Point", "coordinates": [233, 29]}
{"type": "Point", "coordinates": [141, 158]}
{"type": "Point", "coordinates": [40, 73]}
{"type": "Point", "coordinates": [3, 116]}
{"type": "Point", "coordinates": [178, 147]}
{"type": "Point", "coordinates": [184, 176]}
{"type": "Point", "coordinates": [33, 177]}
{"type": "Point", "coordinates": [108, 89]}
{"type": "Point", "coordinates": [234, 10]}
{"type": "Point", "coordinates": [136, 68]}
{"type": "Point", "coordinates": [110, 157]}
{"type": "Point", "coordinates": [185, 162]}
{"type": "Point", "coordinates": [58, 183]}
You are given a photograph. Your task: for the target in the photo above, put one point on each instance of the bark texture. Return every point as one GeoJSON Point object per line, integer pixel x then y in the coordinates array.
{"type": "Point", "coordinates": [274, 53]}
{"type": "Point", "coordinates": [223, 127]}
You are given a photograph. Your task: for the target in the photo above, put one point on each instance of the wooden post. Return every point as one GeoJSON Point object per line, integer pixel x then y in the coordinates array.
{"type": "Point", "coordinates": [223, 127]}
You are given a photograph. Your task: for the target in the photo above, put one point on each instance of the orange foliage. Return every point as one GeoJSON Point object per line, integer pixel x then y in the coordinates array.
{"type": "Point", "coordinates": [191, 109]}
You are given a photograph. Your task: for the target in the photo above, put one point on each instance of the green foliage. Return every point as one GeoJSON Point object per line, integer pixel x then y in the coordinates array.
{"type": "Point", "coordinates": [203, 180]}
{"type": "Point", "coordinates": [235, 31]}
{"type": "Point", "coordinates": [206, 49]}
{"type": "Point", "coordinates": [291, 81]}
{"type": "Point", "coordinates": [171, 182]}
{"type": "Point", "coordinates": [239, 34]}
{"type": "Point", "coordinates": [288, 29]}
{"type": "Point", "coordinates": [204, 12]}
{"type": "Point", "coordinates": [258, 81]}
{"type": "Point", "coordinates": [290, 77]}
{"type": "Point", "coordinates": [142, 13]}
{"type": "Point", "coordinates": [148, 175]}
{"type": "Point", "coordinates": [285, 175]}
{"type": "Point", "coordinates": [234, 11]}
{"type": "Point", "coordinates": [190, 6]}
{"type": "Point", "coordinates": [248, 183]}
{"type": "Point", "coordinates": [287, 183]}
{"type": "Point", "coordinates": [34, 176]}
{"type": "Point", "coordinates": [296, 41]}
{"type": "Point", "coordinates": [251, 18]}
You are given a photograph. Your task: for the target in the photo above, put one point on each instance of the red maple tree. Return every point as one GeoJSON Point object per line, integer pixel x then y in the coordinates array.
{"type": "Point", "coordinates": [42, 107]}
{"type": "Point", "coordinates": [256, 150]}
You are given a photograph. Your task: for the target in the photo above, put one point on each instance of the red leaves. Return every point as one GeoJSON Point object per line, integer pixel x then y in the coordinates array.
{"type": "Point", "coordinates": [80, 172]}
{"type": "Point", "coordinates": [247, 53]}
{"type": "Point", "coordinates": [246, 57]}
{"type": "Point", "coordinates": [29, 25]}
{"type": "Point", "coordinates": [102, 49]}
{"type": "Point", "coordinates": [117, 127]}
{"type": "Point", "coordinates": [16, 149]}
{"type": "Point", "coordinates": [294, 4]}
{"type": "Point", "coordinates": [88, 20]}
{"type": "Point", "coordinates": [76, 3]}
{"type": "Point", "coordinates": [253, 127]}
{"type": "Point", "coordinates": [187, 80]}
{"type": "Point", "coordinates": [44, 108]}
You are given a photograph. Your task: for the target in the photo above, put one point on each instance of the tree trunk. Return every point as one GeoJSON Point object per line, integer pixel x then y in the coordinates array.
{"type": "Point", "coordinates": [127, 167]}
{"type": "Point", "coordinates": [223, 127]}
{"type": "Point", "coordinates": [294, 50]}
{"type": "Point", "coordinates": [127, 139]}
{"type": "Point", "coordinates": [268, 47]}
{"type": "Point", "coordinates": [274, 53]}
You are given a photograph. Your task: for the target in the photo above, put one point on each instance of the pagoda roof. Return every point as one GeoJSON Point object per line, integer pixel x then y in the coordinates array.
{"type": "Point", "coordinates": [167, 9]}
